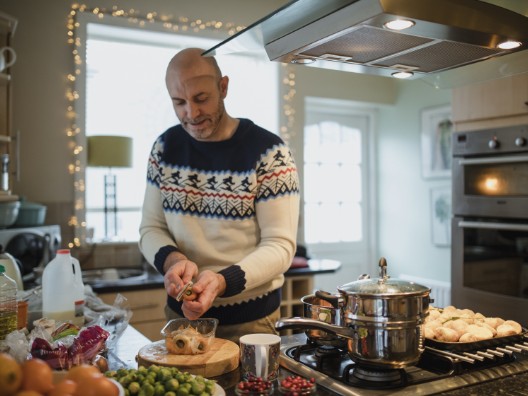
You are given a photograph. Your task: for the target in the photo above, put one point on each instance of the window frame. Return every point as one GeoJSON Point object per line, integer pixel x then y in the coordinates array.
{"type": "Point", "coordinates": [79, 105]}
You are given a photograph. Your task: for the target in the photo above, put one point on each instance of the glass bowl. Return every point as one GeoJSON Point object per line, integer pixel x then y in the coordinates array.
{"type": "Point", "coordinates": [254, 386]}
{"type": "Point", "coordinates": [189, 337]}
{"type": "Point", "coordinates": [295, 385]}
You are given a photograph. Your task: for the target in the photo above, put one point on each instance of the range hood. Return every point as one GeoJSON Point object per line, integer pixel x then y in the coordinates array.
{"type": "Point", "coordinates": [350, 35]}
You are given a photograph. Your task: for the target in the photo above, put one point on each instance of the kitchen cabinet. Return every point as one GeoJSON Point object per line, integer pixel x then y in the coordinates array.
{"type": "Point", "coordinates": [495, 103]}
{"type": "Point", "coordinates": [148, 315]}
{"type": "Point", "coordinates": [294, 288]}
{"type": "Point", "coordinates": [7, 30]}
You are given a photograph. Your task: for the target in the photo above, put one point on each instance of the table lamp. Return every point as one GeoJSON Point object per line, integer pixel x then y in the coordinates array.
{"type": "Point", "coordinates": [110, 152]}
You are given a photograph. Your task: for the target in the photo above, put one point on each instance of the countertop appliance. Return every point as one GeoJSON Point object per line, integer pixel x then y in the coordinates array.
{"type": "Point", "coordinates": [31, 246]}
{"type": "Point", "coordinates": [437, 371]}
{"type": "Point", "coordinates": [443, 35]}
{"type": "Point", "coordinates": [489, 238]}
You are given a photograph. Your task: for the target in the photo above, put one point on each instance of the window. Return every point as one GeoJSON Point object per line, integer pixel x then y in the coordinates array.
{"type": "Point", "coordinates": [126, 95]}
{"type": "Point", "coordinates": [338, 220]}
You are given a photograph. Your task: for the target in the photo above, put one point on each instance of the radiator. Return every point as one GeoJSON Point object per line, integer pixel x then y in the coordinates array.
{"type": "Point", "coordinates": [440, 291]}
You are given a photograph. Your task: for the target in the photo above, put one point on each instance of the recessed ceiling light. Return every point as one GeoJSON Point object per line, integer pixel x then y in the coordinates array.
{"type": "Point", "coordinates": [510, 44]}
{"type": "Point", "coordinates": [302, 61]}
{"type": "Point", "coordinates": [402, 74]}
{"type": "Point", "coordinates": [399, 24]}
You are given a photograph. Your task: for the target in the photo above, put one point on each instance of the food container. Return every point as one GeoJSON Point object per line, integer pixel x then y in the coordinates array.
{"type": "Point", "coordinates": [30, 214]}
{"type": "Point", "coordinates": [382, 320]}
{"type": "Point", "coordinates": [316, 306]}
{"type": "Point", "coordinates": [8, 213]}
{"type": "Point", "coordinates": [254, 386]}
{"type": "Point", "coordinates": [295, 385]}
{"type": "Point", "coordinates": [189, 337]}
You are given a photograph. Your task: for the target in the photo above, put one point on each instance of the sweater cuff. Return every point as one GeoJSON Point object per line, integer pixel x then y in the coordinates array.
{"type": "Point", "coordinates": [161, 256]}
{"type": "Point", "coordinates": [235, 279]}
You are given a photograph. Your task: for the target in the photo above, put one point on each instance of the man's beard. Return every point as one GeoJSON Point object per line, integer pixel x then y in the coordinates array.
{"type": "Point", "coordinates": [212, 123]}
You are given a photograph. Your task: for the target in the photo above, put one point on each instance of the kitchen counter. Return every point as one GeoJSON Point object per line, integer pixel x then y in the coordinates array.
{"type": "Point", "coordinates": [152, 280]}
{"type": "Point", "coordinates": [125, 351]}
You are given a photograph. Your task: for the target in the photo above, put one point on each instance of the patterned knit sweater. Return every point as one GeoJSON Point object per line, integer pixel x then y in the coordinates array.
{"type": "Point", "coordinates": [231, 207]}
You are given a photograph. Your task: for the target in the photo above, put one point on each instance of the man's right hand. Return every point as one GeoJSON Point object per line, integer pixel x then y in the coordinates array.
{"type": "Point", "coordinates": [178, 272]}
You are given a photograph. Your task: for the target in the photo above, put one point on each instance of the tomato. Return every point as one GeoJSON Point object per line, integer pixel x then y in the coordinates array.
{"type": "Point", "coordinates": [37, 376]}
{"type": "Point", "coordinates": [96, 386]}
{"type": "Point", "coordinates": [10, 375]}
{"type": "Point", "coordinates": [66, 387]}
{"type": "Point", "coordinates": [81, 372]}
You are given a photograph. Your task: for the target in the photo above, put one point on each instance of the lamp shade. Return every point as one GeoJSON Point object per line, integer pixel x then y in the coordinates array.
{"type": "Point", "coordinates": [110, 151]}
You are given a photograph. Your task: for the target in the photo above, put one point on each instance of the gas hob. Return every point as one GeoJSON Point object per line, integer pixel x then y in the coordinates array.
{"type": "Point", "coordinates": [436, 372]}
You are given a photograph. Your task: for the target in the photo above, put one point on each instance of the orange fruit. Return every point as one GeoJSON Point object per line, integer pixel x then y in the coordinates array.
{"type": "Point", "coordinates": [65, 387]}
{"type": "Point", "coordinates": [28, 393]}
{"type": "Point", "coordinates": [37, 376]}
{"type": "Point", "coordinates": [82, 371]}
{"type": "Point", "coordinates": [96, 386]}
{"type": "Point", "coordinates": [10, 374]}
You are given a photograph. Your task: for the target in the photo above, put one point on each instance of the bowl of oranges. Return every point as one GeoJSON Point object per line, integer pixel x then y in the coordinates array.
{"type": "Point", "coordinates": [34, 377]}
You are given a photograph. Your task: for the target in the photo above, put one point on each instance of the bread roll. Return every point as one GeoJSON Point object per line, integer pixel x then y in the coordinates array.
{"type": "Point", "coordinates": [446, 334]}
{"type": "Point", "coordinates": [459, 325]}
{"type": "Point", "coordinates": [480, 333]}
{"type": "Point", "coordinates": [505, 330]}
{"type": "Point", "coordinates": [515, 325]}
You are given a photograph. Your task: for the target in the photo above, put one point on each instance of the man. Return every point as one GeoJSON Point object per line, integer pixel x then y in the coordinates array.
{"type": "Point", "coordinates": [221, 206]}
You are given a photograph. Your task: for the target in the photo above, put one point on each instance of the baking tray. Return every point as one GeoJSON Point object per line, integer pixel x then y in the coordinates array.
{"type": "Point", "coordinates": [477, 345]}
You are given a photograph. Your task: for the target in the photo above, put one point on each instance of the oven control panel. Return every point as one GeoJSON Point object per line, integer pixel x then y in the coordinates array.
{"type": "Point", "coordinates": [505, 140]}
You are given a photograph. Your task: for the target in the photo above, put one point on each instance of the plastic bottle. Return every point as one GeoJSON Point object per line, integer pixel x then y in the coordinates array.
{"type": "Point", "coordinates": [8, 304]}
{"type": "Point", "coordinates": [59, 289]}
{"type": "Point", "coordinates": [79, 293]}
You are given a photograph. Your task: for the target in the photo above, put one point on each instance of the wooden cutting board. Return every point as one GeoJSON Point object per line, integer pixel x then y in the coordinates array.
{"type": "Point", "coordinates": [222, 357]}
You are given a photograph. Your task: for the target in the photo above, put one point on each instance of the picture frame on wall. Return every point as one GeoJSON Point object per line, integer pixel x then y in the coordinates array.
{"type": "Point", "coordinates": [436, 131]}
{"type": "Point", "coordinates": [441, 215]}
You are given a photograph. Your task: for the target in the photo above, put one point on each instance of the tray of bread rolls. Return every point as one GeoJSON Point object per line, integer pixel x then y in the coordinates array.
{"type": "Point", "coordinates": [463, 330]}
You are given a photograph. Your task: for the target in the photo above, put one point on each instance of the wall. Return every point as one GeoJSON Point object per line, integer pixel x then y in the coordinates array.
{"type": "Point", "coordinates": [404, 195]}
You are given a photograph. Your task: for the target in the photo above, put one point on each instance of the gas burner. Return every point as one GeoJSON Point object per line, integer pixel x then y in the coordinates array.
{"type": "Point", "coordinates": [328, 351]}
{"type": "Point", "coordinates": [376, 378]}
{"type": "Point", "coordinates": [436, 370]}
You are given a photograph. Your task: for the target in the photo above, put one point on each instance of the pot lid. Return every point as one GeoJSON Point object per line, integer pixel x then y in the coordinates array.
{"type": "Point", "coordinates": [384, 285]}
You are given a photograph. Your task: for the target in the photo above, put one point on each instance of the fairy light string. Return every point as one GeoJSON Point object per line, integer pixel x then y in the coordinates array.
{"type": "Point", "coordinates": [170, 23]}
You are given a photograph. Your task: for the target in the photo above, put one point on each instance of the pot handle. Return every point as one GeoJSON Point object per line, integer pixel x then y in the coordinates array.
{"type": "Point", "coordinates": [305, 323]}
{"type": "Point", "coordinates": [328, 297]}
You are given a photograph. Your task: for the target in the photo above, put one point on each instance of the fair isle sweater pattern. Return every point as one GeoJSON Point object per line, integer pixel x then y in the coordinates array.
{"type": "Point", "coordinates": [221, 193]}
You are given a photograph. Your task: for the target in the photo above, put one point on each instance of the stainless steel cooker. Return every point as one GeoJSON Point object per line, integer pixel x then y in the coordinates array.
{"type": "Point", "coordinates": [382, 320]}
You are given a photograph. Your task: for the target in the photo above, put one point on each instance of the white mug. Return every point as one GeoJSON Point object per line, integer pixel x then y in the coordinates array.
{"type": "Point", "coordinates": [3, 64]}
{"type": "Point", "coordinates": [259, 355]}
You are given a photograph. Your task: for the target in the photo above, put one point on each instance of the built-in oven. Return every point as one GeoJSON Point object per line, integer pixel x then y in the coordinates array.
{"type": "Point", "coordinates": [489, 266]}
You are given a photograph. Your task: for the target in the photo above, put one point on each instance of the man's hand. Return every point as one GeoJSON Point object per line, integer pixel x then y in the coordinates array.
{"type": "Point", "coordinates": [208, 286]}
{"type": "Point", "coordinates": [178, 272]}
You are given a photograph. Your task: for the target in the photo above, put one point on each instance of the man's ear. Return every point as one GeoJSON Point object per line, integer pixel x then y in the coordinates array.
{"type": "Point", "coordinates": [224, 82]}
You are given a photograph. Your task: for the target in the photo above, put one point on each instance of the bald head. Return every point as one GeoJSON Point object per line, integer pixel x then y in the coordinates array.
{"type": "Point", "coordinates": [197, 90]}
{"type": "Point", "coordinates": [191, 63]}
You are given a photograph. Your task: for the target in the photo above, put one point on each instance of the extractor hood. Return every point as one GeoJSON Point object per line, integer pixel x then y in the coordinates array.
{"type": "Point", "coordinates": [352, 34]}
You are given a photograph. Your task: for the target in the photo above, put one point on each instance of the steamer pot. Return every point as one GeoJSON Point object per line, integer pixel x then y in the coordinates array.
{"type": "Point", "coordinates": [382, 320]}
{"type": "Point", "coordinates": [318, 307]}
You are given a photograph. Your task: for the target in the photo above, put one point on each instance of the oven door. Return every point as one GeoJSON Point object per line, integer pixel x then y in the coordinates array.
{"type": "Point", "coordinates": [491, 186]}
{"type": "Point", "coordinates": [489, 271]}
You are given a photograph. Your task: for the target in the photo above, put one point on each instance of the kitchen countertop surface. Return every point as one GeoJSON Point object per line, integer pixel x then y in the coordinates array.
{"type": "Point", "coordinates": [123, 354]}
{"type": "Point", "coordinates": [152, 280]}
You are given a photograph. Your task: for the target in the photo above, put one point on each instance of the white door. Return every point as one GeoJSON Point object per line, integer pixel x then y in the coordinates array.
{"type": "Point", "coordinates": [338, 183]}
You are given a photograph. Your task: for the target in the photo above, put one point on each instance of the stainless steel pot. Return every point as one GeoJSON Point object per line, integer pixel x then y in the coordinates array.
{"type": "Point", "coordinates": [319, 308]}
{"type": "Point", "coordinates": [382, 320]}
